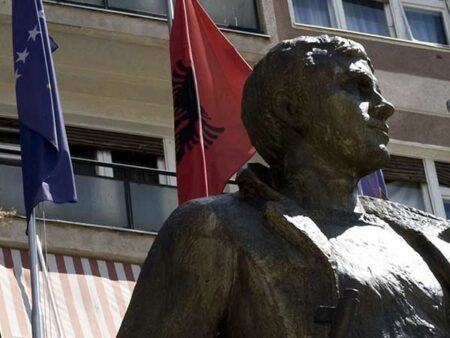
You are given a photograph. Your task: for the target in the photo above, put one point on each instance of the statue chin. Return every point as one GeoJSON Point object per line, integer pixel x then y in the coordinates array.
{"type": "Point", "coordinates": [373, 159]}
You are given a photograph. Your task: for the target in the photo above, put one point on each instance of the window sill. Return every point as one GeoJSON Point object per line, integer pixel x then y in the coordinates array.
{"type": "Point", "coordinates": [373, 37]}
{"type": "Point", "coordinates": [148, 16]}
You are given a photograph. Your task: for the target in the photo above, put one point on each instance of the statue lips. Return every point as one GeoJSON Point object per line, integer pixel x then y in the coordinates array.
{"type": "Point", "coordinates": [379, 125]}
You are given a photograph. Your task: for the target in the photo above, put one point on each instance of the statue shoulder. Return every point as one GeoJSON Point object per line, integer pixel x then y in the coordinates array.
{"type": "Point", "coordinates": [204, 216]}
{"type": "Point", "coordinates": [407, 217]}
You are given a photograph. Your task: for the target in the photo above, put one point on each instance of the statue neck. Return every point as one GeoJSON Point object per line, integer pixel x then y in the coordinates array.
{"type": "Point", "coordinates": [318, 185]}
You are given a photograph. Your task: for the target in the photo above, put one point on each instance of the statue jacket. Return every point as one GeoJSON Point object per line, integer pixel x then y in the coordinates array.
{"type": "Point", "coordinates": [254, 264]}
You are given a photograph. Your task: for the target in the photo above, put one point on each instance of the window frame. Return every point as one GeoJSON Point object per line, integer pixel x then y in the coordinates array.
{"type": "Point", "coordinates": [105, 7]}
{"type": "Point", "coordinates": [332, 11]}
{"type": "Point", "coordinates": [433, 194]}
{"type": "Point", "coordinates": [395, 16]}
{"type": "Point", "coordinates": [418, 4]}
{"type": "Point", "coordinates": [103, 172]}
{"type": "Point", "coordinates": [387, 13]}
{"type": "Point", "coordinates": [338, 20]}
{"type": "Point", "coordinates": [445, 191]}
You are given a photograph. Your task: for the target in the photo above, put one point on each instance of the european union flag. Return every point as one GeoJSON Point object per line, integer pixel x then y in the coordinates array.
{"type": "Point", "coordinates": [46, 164]}
{"type": "Point", "coordinates": [373, 185]}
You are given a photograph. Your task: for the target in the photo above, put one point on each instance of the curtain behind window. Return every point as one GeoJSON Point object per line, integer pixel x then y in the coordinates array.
{"type": "Point", "coordinates": [312, 12]}
{"type": "Point", "coordinates": [232, 13]}
{"type": "Point", "coordinates": [447, 208]}
{"type": "Point", "coordinates": [407, 193]}
{"type": "Point", "coordinates": [426, 25]}
{"type": "Point", "coordinates": [366, 16]}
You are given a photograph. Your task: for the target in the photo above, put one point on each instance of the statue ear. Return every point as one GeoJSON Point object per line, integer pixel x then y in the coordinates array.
{"type": "Point", "coordinates": [288, 114]}
{"type": "Point", "coordinates": [284, 109]}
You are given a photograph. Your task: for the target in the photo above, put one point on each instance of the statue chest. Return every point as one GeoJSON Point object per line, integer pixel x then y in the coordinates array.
{"type": "Point", "coordinates": [399, 294]}
{"type": "Point", "coordinates": [285, 276]}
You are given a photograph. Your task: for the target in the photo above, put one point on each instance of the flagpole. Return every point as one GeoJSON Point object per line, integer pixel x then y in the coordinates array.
{"type": "Point", "coordinates": [169, 6]}
{"type": "Point", "coordinates": [36, 318]}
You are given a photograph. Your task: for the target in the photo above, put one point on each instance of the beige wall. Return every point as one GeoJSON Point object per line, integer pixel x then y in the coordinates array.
{"type": "Point", "coordinates": [113, 69]}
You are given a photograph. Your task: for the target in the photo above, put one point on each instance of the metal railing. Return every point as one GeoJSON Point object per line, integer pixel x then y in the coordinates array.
{"type": "Point", "coordinates": [103, 200]}
{"type": "Point", "coordinates": [118, 200]}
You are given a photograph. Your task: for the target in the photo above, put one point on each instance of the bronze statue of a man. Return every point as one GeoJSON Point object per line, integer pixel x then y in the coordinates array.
{"type": "Point", "coordinates": [287, 254]}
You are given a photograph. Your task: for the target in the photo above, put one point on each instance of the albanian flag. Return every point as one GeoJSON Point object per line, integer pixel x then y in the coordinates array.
{"type": "Point", "coordinates": [208, 77]}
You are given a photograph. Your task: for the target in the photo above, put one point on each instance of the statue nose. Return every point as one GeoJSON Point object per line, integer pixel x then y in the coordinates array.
{"type": "Point", "coordinates": [383, 110]}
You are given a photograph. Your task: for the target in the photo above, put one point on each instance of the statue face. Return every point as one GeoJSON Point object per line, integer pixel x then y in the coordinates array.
{"type": "Point", "coordinates": [351, 115]}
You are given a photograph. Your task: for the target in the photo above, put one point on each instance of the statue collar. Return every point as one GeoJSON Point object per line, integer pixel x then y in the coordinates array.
{"type": "Point", "coordinates": [255, 181]}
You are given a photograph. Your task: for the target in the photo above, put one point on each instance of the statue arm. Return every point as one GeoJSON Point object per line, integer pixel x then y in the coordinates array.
{"type": "Point", "coordinates": [185, 282]}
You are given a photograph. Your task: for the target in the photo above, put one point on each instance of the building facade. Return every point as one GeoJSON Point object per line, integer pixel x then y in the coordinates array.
{"type": "Point", "coordinates": [113, 72]}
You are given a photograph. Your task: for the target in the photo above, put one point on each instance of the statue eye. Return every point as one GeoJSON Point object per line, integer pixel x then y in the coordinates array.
{"type": "Point", "coordinates": [364, 88]}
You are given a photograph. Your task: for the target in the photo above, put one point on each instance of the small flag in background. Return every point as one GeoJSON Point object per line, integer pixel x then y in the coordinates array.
{"type": "Point", "coordinates": [208, 77]}
{"type": "Point", "coordinates": [46, 165]}
{"type": "Point", "coordinates": [373, 185]}
{"type": "Point", "coordinates": [53, 45]}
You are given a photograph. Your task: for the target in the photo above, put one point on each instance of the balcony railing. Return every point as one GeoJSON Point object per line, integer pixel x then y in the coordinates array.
{"type": "Point", "coordinates": [106, 201]}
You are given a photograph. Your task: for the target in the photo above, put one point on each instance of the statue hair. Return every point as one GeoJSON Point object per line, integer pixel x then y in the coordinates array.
{"type": "Point", "coordinates": [280, 85]}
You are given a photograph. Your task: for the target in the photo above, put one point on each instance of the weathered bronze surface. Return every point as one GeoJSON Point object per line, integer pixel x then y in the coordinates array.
{"type": "Point", "coordinates": [295, 253]}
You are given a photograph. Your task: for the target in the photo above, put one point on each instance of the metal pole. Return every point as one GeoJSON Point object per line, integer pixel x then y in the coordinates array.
{"type": "Point", "coordinates": [49, 287]}
{"type": "Point", "coordinates": [36, 318]}
{"type": "Point", "coordinates": [169, 6]}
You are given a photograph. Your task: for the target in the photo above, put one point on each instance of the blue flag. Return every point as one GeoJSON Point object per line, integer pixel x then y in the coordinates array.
{"type": "Point", "coordinates": [46, 164]}
{"type": "Point", "coordinates": [373, 185]}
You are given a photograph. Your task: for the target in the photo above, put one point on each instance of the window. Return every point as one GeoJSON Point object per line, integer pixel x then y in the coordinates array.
{"type": "Point", "coordinates": [119, 196]}
{"type": "Point", "coordinates": [312, 12]}
{"type": "Point", "coordinates": [443, 174]}
{"type": "Point", "coordinates": [236, 14]}
{"type": "Point", "coordinates": [409, 194]}
{"type": "Point", "coordinates": [419, 183]}
{"type": "Point", "coordinates": [86, 153]}
{"type": "Point", "coordinates": [426, 25]}
{"type": "Point", "coordinates": [422, 20]}
{"type": "Point", "coordinates": [406, 182]}
{"type": "Point", "coordinates": [366, 16]}
{"type": "Point", "coordinates": [155, 7]}
{"type": "Point", "coordinates": [447, 208]}
{"type": "Point", "coordinates": [136, 159]}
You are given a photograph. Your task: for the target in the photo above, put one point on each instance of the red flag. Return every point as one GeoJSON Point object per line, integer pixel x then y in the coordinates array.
{"type": "Point", "coordinates": [208, 77]}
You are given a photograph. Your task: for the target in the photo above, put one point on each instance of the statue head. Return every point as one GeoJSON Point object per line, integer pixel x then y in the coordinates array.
{"type": "Point", "coordinates": [318, 94]}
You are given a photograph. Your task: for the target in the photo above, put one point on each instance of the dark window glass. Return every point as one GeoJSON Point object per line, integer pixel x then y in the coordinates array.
{"type": "Point", "coordinates": [237, 14]}
{"type": "Point", "coordinates": [426, 25]}
{"type": "Point", "coordinates": [366, 16]}
{"type": "Point", "coordinates": [83, 152]}
{"type": "Point", "coordinates": [447, 208]}
{"type": "Point", "coordinates": [156, 7]}
{"type": "Point", "coordinates": [233, 13]}
{"type": "Point", "coordinates": [312, 12]}
{"type": "Point", "coordinates": [10, 136]}
{"type": "Point", "coordinates": [443, 173]}
{"type": "Point", "coordinates": [96, 3]}
{"type": "Point", "coordinates": [134, 175]}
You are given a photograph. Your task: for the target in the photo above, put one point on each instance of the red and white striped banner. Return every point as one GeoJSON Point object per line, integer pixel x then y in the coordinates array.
{"type": "Point", "coordinates": [91, 295]}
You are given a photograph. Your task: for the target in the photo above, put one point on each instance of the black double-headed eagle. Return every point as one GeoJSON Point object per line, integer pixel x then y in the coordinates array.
{"type": "Point", "coordinates": [187, 113]}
